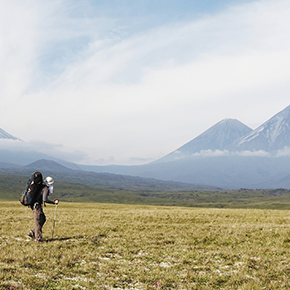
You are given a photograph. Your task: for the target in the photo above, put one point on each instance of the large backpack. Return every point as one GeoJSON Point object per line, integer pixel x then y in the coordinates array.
{"type": "Point", "coordinates": [32, 189]}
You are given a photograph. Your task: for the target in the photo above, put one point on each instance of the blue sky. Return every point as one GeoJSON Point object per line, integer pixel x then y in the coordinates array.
{"type": "Point", "coordinates": [127, 82]}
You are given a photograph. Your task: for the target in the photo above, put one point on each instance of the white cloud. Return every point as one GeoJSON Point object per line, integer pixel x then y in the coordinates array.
{"type": "Point", "coordinates": [283, 152]}
{"type": "Point", "coordinates": [17, 37]}
{"type": "Point", "coordinates": [258, 153]}
{"type": "Point", "coordinates": [218, 153]}
{"type": "Point", "coordinates": [211, 153]}
{"type": "Point", "coordinates": [144, 95]}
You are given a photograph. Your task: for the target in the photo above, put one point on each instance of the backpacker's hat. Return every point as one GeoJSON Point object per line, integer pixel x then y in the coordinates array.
{"type": "Point", "coordinates": [49, 180]}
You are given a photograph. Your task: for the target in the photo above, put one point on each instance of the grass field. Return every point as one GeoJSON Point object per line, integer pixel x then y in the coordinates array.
{"type": "Point", "coordinates": [111, 246]}
{"type": "Point", "coordinates": [11, 187]}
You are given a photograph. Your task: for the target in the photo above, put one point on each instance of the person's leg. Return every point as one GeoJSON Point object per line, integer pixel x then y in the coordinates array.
{"type": "Point", "coordinates": [31, 233]}
{"type": "Point", "coordinates": [39, 220]}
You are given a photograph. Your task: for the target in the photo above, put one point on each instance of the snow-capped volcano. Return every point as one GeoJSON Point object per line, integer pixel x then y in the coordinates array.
{"type": "Point", "coordinates": [225, 156]}
{"type": "Point", "coordinates": [218, 137]}
{"type": "Point", "coordinates": [5, 135]}
{"type": "Point", "coordinates": [271, 136]}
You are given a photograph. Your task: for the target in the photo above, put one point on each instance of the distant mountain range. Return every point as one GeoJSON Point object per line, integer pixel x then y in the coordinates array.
{"type": "Point", "coordinates": [227, 155]}
{"type": "Point", "coordinates": [103, 180]}
{"type": "Point", "coordinates": [233, 137]}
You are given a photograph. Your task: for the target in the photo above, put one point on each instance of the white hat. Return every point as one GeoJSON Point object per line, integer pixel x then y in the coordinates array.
{"type": "Point", "coordinates": [49, 180]}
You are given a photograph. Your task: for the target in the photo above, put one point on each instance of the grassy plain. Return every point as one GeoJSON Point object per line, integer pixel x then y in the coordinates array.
{"type": "Point", "coordinates": [11, 187]}
{"type": "Point", "coordinates": [113, 246]}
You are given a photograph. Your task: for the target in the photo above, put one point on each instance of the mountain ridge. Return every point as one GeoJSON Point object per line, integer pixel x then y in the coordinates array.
{"type": "Point", "coordinates": [255, 158]}
{"type": "Point", "coordinates": [218, 137]}
{"type": "Point", "coordinates": [99, 179]}
{"type": "Point", "coordinates": [44, 164]}
{"type": "Point", "coordinates": [5, 135]}
{"type": "Point", "coordinates": [272, 135]}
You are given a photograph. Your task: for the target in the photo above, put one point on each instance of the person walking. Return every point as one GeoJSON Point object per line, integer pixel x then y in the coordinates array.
{"type": "Point", "coordinates": [39, 216]}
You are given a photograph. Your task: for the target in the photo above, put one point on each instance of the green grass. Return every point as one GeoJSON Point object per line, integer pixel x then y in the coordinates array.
{"type": "Point", "coordinates": [113, 246]}
{"type": "Point", "coordinates": [12, 186]}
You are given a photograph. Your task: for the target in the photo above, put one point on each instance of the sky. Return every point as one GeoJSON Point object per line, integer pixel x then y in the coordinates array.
{"type": "Point", "coordinates": [129, 81]}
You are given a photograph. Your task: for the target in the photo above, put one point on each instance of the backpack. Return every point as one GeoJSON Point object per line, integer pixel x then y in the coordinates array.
{"type": "Point", "coordinates": [32, 189]}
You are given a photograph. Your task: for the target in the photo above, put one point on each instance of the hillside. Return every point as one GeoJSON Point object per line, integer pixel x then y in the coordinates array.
{"type": "Point", "coordinates": [11, 188]}
{"type": "Point", "coordinates": [103, 180]}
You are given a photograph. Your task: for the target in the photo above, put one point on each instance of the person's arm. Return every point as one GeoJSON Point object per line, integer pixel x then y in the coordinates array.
{"type": "Point", "coordinates": [45, 196]}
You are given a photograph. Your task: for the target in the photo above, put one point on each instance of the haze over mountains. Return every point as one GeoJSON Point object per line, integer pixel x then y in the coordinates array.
{"type": "Point", "coordinates": [227, 155]}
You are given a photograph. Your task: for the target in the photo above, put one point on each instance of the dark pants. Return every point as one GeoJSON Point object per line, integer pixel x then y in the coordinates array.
{"type": "Point", "coordinates": [39, 220]}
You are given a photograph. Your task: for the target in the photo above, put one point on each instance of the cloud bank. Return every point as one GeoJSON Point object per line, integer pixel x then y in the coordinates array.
{"type": "Point", "coordinates": [246, 153]}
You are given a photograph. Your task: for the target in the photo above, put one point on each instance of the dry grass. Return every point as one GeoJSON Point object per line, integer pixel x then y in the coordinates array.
{"type": "Point", "coordinates": [103, 246]}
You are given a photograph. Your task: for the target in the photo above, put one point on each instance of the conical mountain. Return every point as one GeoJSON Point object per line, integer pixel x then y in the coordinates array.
{"type": "Point", "coordinates": [271, 136]}
{"type": "Point", "coordinates": [218, 137]}
{"type": "Point", "coordinates": [5, 135]}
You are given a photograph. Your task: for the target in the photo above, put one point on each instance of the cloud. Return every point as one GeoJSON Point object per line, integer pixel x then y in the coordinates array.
{"type": "Point", "coordinates": [55, 150]}
{"type": "Point", "coordinates": [211, 153]}
{"type": "Point", "coordinates": [52, 150]}
{"type": "Point", "coordinates": [217, 153]}
{"type": "Point", "coordinates": [137, 160]}
{"type": "Point", "coordinates": [258, 153]}
{"type": "Point", "coordinates": [12, 144]}
{"type": "Point", "coordinates": [17, 37]}
{"type": "Point", "coordinates": [110, 92]}
{"type": "Point", "coordinates": [283, 152]}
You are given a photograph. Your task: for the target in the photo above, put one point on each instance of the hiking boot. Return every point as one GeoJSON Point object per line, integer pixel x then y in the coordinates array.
{"type": "Point", "coordinates": [31, 235]}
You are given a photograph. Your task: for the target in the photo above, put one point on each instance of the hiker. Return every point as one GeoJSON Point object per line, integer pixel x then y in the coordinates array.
{"type": "Point", "coordinates": [39, 216]}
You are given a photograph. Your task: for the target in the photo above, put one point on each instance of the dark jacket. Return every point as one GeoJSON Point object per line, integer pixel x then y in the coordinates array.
{"type": "Point", "coordinates": [42, 197]}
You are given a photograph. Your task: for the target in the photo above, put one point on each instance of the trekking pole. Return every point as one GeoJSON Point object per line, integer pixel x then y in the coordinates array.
{"type": "Point", "coordinates": [54, 222]}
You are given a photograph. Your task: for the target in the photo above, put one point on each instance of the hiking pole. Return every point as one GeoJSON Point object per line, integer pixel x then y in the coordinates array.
{"type": "Point", "coordinates": [54, 221]}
